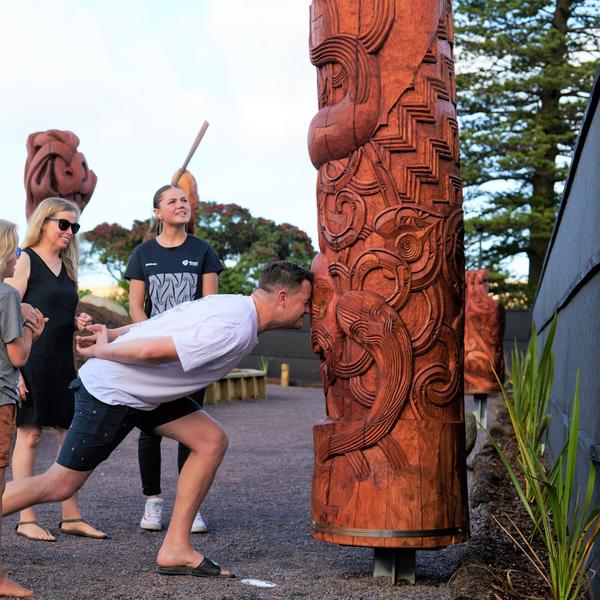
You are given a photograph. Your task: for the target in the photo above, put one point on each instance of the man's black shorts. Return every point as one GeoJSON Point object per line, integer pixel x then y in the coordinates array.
{"type": "Point", "coordinates": [98, 428]}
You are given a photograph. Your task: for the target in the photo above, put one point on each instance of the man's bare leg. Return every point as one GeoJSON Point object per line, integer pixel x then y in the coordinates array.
{"type": "Point", "coordinates": [54, 485]}
{"type": "Point", "coordinates": [207, 442]}
{"type": "Point", "coordinates": [8, 587]}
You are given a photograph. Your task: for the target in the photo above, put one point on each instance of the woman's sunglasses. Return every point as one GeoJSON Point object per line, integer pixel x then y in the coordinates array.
{"type": "Point", "coordinates": [64, 224]}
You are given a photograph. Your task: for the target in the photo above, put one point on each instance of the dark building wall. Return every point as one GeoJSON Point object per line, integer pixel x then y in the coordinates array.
{"type": "Point", "coordinates": [290, 346]}
{"type": "Point", "coordinates": [293, 347]}
{"type": "Point", "coordinates": [570, 286]}
{"type": "Point", "coordinates": [516, 332]}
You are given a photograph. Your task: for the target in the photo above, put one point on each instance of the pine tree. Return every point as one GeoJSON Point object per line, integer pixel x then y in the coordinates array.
{"type": "Point", "coordinates": [525, 70]}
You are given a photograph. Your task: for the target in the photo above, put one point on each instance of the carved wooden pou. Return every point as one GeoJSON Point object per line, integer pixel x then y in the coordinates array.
{"type": "Point", "coordinates": [54, 167]}
{"type": "Point", "coordinates": [484, 330]}
{"type": "Point", "coordinates": [187, 182]}
{"type": "Point", "coordinates": [387, 312]}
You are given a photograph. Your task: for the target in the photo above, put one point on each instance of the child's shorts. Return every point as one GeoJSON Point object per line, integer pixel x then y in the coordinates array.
{"type": "Point", "coordinates": [7, 432]}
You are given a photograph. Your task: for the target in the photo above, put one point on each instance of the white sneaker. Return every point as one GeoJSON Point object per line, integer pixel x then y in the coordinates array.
{"type": "Point", "coordinates": [199, 526]}
{"type": "Point", "coordinates": [152, 519]}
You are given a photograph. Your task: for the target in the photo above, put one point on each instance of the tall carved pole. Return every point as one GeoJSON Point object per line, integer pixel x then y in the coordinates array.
{"type": "Point", "coordinates": [387, 311]}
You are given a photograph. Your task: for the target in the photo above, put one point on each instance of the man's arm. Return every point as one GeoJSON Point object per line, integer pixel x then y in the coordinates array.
{"type": "Point", "coordinates": [113, 334]}
{"type": "Point", "coordinates": [153, 351]}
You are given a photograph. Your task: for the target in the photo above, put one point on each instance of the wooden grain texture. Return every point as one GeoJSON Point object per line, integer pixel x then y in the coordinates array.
{"type": "Point", "coordinates": [484, 332]}
{"type": "Point", "coordinates": [387, 308]}
{"type": "Point", "coordinates": [55, 167]}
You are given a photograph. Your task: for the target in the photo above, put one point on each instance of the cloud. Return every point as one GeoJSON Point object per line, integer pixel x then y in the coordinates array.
{"type": "Point", "coordinates": [135, 80]}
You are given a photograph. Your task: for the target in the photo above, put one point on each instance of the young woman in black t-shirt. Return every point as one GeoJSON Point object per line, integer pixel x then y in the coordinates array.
{"type": "Point", "coordinates": [172, 268]}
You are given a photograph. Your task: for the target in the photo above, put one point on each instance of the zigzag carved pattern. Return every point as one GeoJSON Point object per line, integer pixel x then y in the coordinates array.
{"type": "Point", "coordinates": [418, 123]}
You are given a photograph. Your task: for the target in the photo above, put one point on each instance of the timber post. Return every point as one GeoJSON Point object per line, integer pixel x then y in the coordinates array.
{"type": "Point", "coordinates": [387, 308]}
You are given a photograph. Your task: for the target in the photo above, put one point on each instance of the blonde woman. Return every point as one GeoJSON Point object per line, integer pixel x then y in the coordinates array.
{"type": "Point", "coordinates": [46, 278]}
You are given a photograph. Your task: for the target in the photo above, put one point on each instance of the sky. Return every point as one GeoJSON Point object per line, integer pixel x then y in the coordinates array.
{"type": "Point", "coordinates": [134, 80]}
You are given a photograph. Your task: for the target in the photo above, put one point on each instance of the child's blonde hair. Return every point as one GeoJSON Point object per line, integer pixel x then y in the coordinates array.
{"type": "Point", "coordinates": [8, 243]}
{"type": "Point", "coordinates": [48, 208]}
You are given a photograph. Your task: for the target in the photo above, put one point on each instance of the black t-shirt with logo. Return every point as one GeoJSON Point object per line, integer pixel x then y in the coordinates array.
{"type": "Point", "coordinates": [172, 275]}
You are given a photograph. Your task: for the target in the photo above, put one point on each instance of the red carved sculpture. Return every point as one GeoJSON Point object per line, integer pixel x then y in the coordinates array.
{"type": "Point", "coordinates": [187, 182]}
{"type": "Point", "coordinates": [484, 330]}
{"type": "Point", "coordinates": [54, 167]}
{"type": "Point", "coordinates": [387, 308]}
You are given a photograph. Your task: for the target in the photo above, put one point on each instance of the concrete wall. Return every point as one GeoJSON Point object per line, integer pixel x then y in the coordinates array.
{"type": "Point", "coordinates": [570, 286]}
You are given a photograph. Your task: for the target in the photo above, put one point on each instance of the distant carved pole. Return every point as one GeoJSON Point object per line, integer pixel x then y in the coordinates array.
{"type": "Point", "coordinates": [387, 311]}
{"type": "Point", "coordinates": [193, 149]}
{"type": "Point", "coordinates": [187, 182]}
{"type": "Point", "coordinates": [54, 167]}
{"type": "Point", "coordinates": [484, 332]}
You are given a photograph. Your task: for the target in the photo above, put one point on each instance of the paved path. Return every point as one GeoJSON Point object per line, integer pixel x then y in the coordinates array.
{"type": "Point", "coordinates": [258, 511]}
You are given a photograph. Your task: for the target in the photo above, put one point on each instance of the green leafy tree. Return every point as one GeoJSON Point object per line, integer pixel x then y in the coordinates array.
{"type": "Point", "coordinates": [244, 243]}
{"type": "Point", "coordinates": [525, 68]}
{"type": "Point", "coordinates": [111, 245]}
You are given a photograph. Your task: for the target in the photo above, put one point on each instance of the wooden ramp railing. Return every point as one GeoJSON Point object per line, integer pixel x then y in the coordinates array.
{"type": "Point", "coordinates": [240, 384]}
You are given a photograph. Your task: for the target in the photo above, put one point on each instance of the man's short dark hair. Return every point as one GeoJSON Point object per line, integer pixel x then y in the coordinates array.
{"type": "Point", "coordinates": [285, 274]}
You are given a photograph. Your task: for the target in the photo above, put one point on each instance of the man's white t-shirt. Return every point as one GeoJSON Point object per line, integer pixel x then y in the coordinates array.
{"type": "Point", "coordinates": [211, 336]}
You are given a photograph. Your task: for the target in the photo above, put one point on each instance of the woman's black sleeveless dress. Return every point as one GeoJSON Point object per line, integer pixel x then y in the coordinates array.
{"type": "Point", "coordinates": [50, 368]}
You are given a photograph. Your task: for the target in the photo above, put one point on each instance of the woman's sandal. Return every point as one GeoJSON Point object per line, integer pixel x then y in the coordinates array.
{"type": "Point", "coordinates": [80, 532]}
{"type": "Point", "coordinates": [32, 537]}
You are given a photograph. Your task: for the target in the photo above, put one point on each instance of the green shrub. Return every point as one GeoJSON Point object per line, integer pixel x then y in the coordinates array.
{"type": "Point", "coordinates": [567, 522]}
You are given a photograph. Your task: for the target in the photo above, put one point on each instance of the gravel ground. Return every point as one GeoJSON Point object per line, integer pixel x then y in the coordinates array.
{"type": "Point", "coordinates": [258, 511]}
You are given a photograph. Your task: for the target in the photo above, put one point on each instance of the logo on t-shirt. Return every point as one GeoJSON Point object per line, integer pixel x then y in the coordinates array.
{"type": "Point", "coordinates": [151, 264]}
{"type": "Point", "coordinates": [191, 263]}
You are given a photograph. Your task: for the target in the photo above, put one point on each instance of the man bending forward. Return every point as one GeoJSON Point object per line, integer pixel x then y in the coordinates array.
{"type": "Point", "coordinates": [138, 375]}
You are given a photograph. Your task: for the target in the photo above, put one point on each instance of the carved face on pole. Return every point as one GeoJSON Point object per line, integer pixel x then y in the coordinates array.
{"type": "Point", "coordinates": [363, 51]}
{"type": "Point", "coordinates": [54, 167]}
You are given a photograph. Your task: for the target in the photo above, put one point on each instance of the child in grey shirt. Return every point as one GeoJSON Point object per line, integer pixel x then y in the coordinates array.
{"type": "Point", "coordinates": [20, 325]}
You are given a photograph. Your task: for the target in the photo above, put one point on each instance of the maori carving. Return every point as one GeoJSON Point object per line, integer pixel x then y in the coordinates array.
{"type": "Point", "coordinates": [387, 306]}
{"type": "Point", "coordinates": [484, 330]}
{"type": "Point", "coordinates": [187, 182]}
{"type": "Point", "coordinates": [54, 167]}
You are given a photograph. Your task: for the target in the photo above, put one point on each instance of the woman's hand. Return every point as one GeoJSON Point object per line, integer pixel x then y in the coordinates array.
{"type": "Point", "coordinates": [33, 319]}
{"type": "Point", "coordinates": [22, 388]}
{"type": "Point", "coordinates": [82, 320]}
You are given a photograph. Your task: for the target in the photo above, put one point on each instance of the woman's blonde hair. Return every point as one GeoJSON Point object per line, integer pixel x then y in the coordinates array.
{"type": "Point", "coordinates": [8, 243]}
{"type": "Point", "coordinates": [48, 208]}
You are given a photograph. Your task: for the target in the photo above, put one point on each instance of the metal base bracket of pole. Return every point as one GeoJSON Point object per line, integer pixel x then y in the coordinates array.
{"type": "Point", "coordinates": [397, 564]}
{"type": "Point", "coordinates": [480, 411]}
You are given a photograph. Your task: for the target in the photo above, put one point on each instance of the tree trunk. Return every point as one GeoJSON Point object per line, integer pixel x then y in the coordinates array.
{"type": "Point", "coordinates": [544, 177]}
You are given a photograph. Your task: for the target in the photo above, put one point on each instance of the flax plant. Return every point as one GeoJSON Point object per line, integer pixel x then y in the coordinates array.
{"type": "Point", "coordinates": [263, 363]}
{"type": "Point", "coordinates": [531, 379]}
{"type": "Point", "coordinates": [567, 523]}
